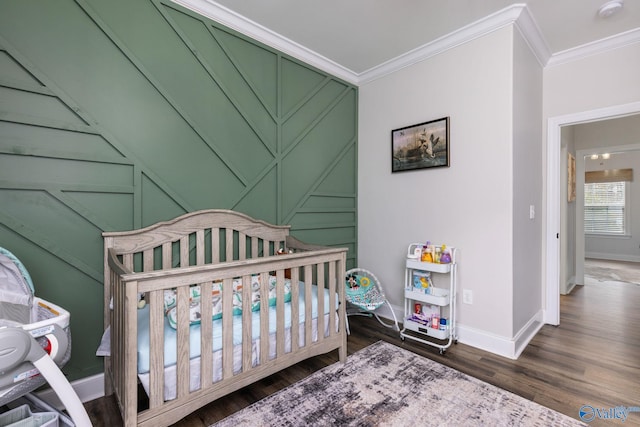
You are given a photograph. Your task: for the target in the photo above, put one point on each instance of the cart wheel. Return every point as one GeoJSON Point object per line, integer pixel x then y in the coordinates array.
{"type": "Point", "coordinates": [442, 350]}
{"type": "Point", "coordinates": [402, 337]}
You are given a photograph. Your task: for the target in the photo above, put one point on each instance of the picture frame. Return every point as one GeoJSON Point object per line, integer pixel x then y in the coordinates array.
{"type": "Point", "coordinates": [571, 178]}
{"type": "Point", "coordinates": [420, 146]}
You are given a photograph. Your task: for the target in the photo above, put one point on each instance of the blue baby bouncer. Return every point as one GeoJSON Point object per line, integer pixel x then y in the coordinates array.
{"type": "Point", "coordinates": [35, 341]}
{"type": "Point", "coordinates": [365, 296]}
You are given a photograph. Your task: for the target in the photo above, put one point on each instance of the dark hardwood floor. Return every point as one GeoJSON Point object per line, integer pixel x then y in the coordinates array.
{"type": "Point", "coordinates": [592, 358]}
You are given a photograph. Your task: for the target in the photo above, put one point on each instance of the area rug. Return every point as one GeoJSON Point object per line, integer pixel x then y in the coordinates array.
{"type": "Point", "coordinates": [385, 385]}
{"type": "Point", "coordinates": [611, 272]}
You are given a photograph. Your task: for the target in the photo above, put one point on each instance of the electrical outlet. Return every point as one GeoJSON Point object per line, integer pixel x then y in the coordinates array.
{"type": "Point", "coordinates": [467, 296]}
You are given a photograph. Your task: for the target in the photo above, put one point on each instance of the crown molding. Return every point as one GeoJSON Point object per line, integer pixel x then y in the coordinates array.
{"type": "Point", "coordinates": [252, 29]}
{"type": "Point", "coordinates": [516, 13]}
{"type": "Point", "coordinates": [594, 48]}
{"type": "Point", "coordinates": [533, 36]}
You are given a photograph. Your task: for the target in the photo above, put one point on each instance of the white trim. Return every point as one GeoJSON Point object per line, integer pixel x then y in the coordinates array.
{"type": "Point", "coordinates": [477, 29]}
{"type": "Point", "coordinates": [533, 36]}
{"type": "Point", "coordinates": [526, 334]}
{"type": "Point", "coordinates": [87, 389]}
{"type": "Point", "coordinates": [571, 283]}
{"type": "Point", "coordinates": [496, 344]}
{"type": "Point", "coordinates": [552, 289]}
{"type": "Point", "coordinates": [596, 47]}
{"type": "Point", "coordinates": [511, 348]}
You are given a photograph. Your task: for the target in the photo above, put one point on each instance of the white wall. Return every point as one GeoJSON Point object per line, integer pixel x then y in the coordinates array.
{"type": "Point", "coordinates": [468, 205]}
{"type": "Point", "coordinates": [527, 189]}
{"type": "Point", "coordinates": [592, 83]}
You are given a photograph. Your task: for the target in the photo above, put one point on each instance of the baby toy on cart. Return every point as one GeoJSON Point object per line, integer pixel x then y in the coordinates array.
{"type": "Point", "coordinates": [35, 341]}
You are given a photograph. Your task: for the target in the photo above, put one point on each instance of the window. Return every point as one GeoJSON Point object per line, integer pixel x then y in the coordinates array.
{"type": "Point", "coordinates": [605, 208]}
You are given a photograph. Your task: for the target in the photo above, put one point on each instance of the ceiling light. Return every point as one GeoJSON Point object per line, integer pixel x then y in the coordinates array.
{"type": "Point", "coordinates": [605, 156]}
{"type": "Point", "coordinates": [594, 157]}
{"type": "Point", "coordinates": [609, 8]}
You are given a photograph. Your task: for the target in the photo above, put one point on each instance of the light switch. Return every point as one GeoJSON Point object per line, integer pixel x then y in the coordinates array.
{"type": "Point", "coordinates": [532, 212]}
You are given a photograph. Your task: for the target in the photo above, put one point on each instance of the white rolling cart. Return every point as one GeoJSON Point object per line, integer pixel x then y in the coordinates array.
{"type": "Point", "coordinates": [427, 301]}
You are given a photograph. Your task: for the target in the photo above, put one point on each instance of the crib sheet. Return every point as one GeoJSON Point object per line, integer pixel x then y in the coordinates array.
{"type": "Point", "coordinates": [170, 335]}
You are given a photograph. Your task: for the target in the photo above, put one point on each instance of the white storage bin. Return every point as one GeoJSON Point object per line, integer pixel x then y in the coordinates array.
{"type": "Point", "coordinates": [22, 416]}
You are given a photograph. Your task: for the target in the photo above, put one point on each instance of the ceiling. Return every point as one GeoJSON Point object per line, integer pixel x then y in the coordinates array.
{"type": "Point", "coordinates": [356, 37]}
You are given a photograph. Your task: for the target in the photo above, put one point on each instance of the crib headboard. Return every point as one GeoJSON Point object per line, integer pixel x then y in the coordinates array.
{"type": "Point", "coordinates": [196, 238]}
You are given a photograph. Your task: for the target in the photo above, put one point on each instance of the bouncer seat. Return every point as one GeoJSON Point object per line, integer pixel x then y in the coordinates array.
{"type": "Point", "coordinates": [365, 296]}
{"type": "Point", "coordinates": [35, 341]}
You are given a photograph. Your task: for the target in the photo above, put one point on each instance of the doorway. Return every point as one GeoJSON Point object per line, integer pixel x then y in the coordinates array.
{"type": "Point", "coordinates": [553, 185]}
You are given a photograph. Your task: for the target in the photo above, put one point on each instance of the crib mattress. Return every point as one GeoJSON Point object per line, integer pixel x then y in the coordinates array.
{"type": "Point", "coordinates": [170, 334]}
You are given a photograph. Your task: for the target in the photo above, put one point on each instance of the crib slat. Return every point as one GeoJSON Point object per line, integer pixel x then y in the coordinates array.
{"type": "Point", "coordinates": [333, 282]}
{"type": "Point", "coordinates": [295, 310]}
{"type": "Point", "coordinates": [264, 318]}
{"type": "Point", "coordinates": [127, 261]}
{"type": "Point", "coordinates": [182, 297]}
{"type": "Point", "coordinates": [279, 313]}
{"type": "Point", "coordinates": [255, 242]}
{"type": "Point", "coordinates": [147, 260]}
{"type": "Point", "coordinates": [321, 301]}
{"type": "Point", "coordinates": [308, 278]}
{"type": "Point", "coordinates": [246, 323]}
{"type": "Point", "coordinates": [200, 247]}
{"type": "Point", "coordinates": [184, 251]}
{"type": "Point", "coordinates": [229, 244]}
{"type": "Point", "coordinates": [166, 256]}
{"type": "Point", "coordinates": [206, 333]}
{"type": "Point", "coordinates": [227, 328]}
{"type": "Point", "coordinates": [242, 245]}
{"type": "Point", "coordinates": [156, 344]}
{"type": "Point", "coordinates": [342, 309]}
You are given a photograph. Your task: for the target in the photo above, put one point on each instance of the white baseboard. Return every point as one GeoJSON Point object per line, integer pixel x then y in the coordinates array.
{"type": "Point", "coordinates": [612, 257]}
{"type": "Point", "coordinates": [500, 345]}
{"type": "Point", "coordinates": [568, 287]}
{"type": "Point", "coordinates": [87, 389]}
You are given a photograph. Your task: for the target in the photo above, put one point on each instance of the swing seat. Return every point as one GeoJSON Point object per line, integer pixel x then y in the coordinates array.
{"type": "Point", "coordinates": [365, 295]}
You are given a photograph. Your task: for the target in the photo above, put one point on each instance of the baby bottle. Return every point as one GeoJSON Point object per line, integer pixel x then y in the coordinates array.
{"type": "Point", "coordinates": [426, 253]}
{"type": "Point", "coordinates": [445, 258]}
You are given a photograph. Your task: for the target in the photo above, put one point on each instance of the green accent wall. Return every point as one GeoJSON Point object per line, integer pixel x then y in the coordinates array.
{"type": "Point", "coordinates": [117, 114]}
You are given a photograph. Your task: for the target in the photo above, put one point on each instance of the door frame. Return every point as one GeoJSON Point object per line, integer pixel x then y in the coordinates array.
{"type": "Point", "coordinates": [552, 240]}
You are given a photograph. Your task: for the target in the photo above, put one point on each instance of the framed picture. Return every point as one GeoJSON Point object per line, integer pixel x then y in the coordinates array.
{"type": "Point", "coordinates": [425, 145]}
{"type": "Point", "coordinates": [571, 178]}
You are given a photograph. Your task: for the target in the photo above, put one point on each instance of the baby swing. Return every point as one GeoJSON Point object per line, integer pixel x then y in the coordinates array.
{"type": "Point", "coordinates": [364, 292]}
{"type": "Point", "coordinates": [35, 341]}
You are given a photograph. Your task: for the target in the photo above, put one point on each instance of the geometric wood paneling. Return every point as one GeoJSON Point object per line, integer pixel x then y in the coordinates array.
{"type": "Point", "coordinates": [117, 114]}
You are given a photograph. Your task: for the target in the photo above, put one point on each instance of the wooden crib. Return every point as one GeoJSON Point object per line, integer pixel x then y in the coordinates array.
{"type": "Point", "coordinates": [229, 252]}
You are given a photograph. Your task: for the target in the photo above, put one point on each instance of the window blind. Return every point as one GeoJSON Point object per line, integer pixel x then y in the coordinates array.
{"type": "Point", "coordinates": [604, 207]}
